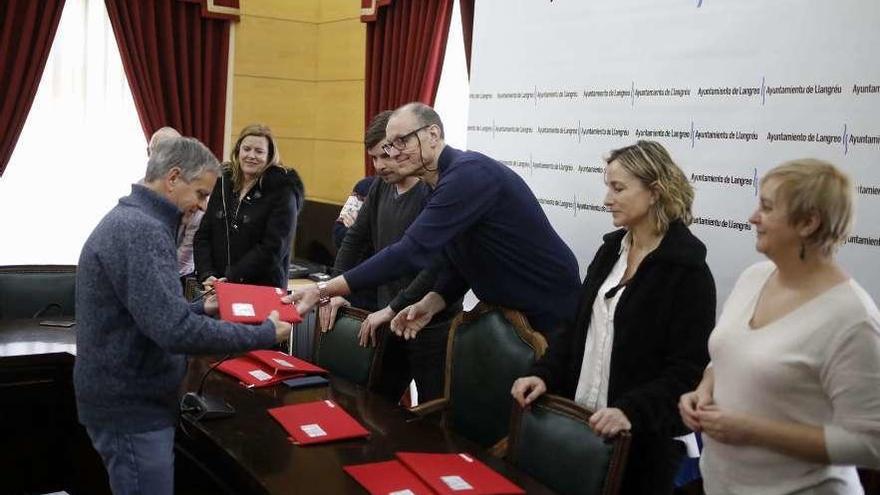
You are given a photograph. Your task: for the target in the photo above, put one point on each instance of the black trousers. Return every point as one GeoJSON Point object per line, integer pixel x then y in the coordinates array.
{"type": "Point", "coordinates": [652, 465]}
{"type": "Point", "coordinates": [422, 359]}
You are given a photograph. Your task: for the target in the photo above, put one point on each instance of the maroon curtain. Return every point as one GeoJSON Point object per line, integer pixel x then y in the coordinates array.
{"type": "Point", "coordinates": [175, 59]}
{"type": "Point", "coordinates": [406, 43]}
{"type": "Point", "coordinates": [27, 28]}
{"type": "Point", "coordinates": [467, 29]}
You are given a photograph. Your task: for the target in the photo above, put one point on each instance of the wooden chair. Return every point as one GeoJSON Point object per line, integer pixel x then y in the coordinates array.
{"type": "Point", "coordinates": [552, 441]}
{"type": "Point", "coordinates": [338, 351]}
{"type": "Point", "coordinates": [488, 348]}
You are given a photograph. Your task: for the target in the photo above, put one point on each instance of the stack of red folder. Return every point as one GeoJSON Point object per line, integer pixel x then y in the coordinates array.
{"type": "Point", "coordinates": [317, 422]}
{"type": "Point", "coordinates": [422, 473]}
{"type": "Point", "coordinates": [264, 368]}
{"type": "Point", "coordinates": [244, 303]}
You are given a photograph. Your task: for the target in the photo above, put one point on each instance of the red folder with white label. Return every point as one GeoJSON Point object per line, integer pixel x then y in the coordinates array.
{"type": "Point", "coordinates": [450, 474]}
{"type": "Point", "coordinates": [264, 368]}
{"type": "Point", "coordinates": [244, 303]}
{"type": "Point", "coordinates": [317, 422]}
{"type": "Point", "coordinates": [284, 363]}
{"type": "Point", "coordinates": [387, 478]}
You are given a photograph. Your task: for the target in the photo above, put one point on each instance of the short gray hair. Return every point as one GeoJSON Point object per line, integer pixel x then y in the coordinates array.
{"type": "Point", "coordinates": [188, 154]}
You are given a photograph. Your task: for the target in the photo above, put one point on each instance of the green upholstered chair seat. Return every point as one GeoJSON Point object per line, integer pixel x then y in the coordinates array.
{"type": "Point", "coordinates": [488, 355]}
{"type": "Point", "coordinates": [338, 351]}
{"type": "Point", "coordinates": [26, 290]}
{"type": "Point", "coordinates": [556, 446]}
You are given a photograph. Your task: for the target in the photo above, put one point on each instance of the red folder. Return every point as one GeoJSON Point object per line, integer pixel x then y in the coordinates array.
{"type": "Point", "coordinates": [457, 473]}
{"type": "Point", "coordinates": [252, 373]}
{"type": "Point", "coordinates": [317, 422]}
{"type": "Point", "coordinates": [284, 363]}
{"type": "Point", "coordinates": [388, 478]}
{"type": "Point", "coordinates": [265, 368]}
{"type": "Point", "coordinates": [252, 303]}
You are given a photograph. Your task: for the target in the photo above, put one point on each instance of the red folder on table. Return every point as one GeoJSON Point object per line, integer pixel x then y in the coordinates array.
{"type": "Point", "coordinates": [264, 368]}
{"type": "Point", "coordinates": [284, 363]}
{"type": "Point", "coordinates": [387, 478]}
{"type": "Point", "coordinates": [243, 303]}
{"type": "Point", "coordinates": [317, 422]}
{"type": "Point", "coordinates": [457, 473]}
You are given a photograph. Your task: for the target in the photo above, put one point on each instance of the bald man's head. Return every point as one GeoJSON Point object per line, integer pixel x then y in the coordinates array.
{"type": "Point", "coordinates": [162, 134]}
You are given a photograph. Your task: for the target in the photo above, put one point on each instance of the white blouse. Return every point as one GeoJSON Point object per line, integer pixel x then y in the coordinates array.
{"type": "Point", "coordinates": [592, 386]}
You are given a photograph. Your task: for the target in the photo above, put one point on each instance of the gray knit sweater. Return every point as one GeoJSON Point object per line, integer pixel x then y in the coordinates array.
{"type": "Point", "coordinates": [133, 325]}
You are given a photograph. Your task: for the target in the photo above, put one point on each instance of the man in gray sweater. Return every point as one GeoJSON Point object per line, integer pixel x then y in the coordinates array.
{"type": "Point", "coordinates": [134, 328]}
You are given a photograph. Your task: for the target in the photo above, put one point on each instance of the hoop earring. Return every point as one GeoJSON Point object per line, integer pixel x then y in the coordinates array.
{"type": "Point", "coordinates": [803, 253]}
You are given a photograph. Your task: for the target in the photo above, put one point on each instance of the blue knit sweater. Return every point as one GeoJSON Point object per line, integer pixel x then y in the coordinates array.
{"type": "Point", "coordinates": [487, 222]}
{"type": "Point", "coordinates": [133, 324]}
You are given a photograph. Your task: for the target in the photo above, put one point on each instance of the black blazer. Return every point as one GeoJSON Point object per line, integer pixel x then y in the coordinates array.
{"type": "Point", "coordinates": [260, 230]}
{"type": "Point", "coordinates": [661, 329]}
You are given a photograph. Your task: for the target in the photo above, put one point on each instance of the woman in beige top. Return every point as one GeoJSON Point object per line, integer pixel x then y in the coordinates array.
{"type": "Point", "coordinates": [790, 402]}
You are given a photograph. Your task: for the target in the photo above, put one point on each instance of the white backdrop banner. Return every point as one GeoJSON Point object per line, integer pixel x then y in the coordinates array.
{"type": "Point", "coordinates": [731, 89]}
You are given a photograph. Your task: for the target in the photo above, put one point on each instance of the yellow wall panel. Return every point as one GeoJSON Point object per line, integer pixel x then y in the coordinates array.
{"type": "Point", "coordinates": [299, 68]}
{"type": "Point", "coordinates": [334, 10]}
{"type": "Point", "coordinates": [340, 113]}
{"type": "Point", "coordinates": [299, 154]}
{"type": "Point", "coordinates": [341, 50]}
{"type": "Point", "coordinates": [276, 48]}
{"type": "Point", "coordinates": [295, 10]}
{"type": "Point", "coordinates": [288, 107]}
{"type": "Point", "coordinates": [338, 166]}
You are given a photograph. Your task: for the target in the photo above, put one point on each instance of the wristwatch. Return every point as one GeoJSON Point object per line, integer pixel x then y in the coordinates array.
{"type": "Point", "coordinates": [323, 297]}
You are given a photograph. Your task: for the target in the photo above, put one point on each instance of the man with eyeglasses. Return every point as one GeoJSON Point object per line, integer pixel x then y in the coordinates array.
{"type": "Point", "coordinates": [392, 204]}
{"type": "Point", "coordinates": [485, 223]}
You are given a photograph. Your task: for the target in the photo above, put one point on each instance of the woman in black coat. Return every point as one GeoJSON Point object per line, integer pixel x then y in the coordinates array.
{"type": "Point", "coordinates": [247, 230]}
{"type": "Point", "coordinates": [647, 306]}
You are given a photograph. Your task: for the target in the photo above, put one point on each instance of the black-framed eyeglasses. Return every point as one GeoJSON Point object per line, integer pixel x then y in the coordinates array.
{"type": "Point", "coordinates": [400, 143]}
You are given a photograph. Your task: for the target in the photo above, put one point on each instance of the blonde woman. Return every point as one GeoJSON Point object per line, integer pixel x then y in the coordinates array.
{"type": "Point", "coordinates": [791, 401]}
{"type": "Point", "coordinates": [646, 308]}
{"type": "Point", "coordinates": [246, 233]}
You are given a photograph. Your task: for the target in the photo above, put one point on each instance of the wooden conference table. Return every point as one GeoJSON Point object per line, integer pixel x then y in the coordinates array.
{"type": "Point", "coordinates": [46, 450]}
{"type": "Point", "coordinates": [250, 452]}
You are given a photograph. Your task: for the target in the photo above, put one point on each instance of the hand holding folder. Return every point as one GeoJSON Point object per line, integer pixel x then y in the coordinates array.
{"type": "Point", "coordinates": [244, 303]}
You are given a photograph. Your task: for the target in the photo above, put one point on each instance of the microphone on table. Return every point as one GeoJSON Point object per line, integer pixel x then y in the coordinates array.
{"type": "Point", "coordinates": [198, 406]}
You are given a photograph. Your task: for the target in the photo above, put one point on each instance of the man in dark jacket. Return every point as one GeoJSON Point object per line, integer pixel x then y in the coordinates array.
{"type": "Point", "coordinates": [134, 326]}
